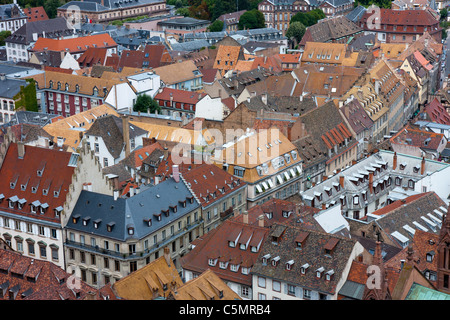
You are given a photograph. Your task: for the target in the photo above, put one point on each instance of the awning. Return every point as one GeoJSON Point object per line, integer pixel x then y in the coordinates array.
{"type": "Point", "coordinates": [270, 183]}
{"type": "Point", "coordinates": [264, 184]}
{"type": "Point", "coordinates": [280, 179]}
{"type": "Point", "coordinates": [292, 172]}
{"type": "Point", "coordinates": [286, 175]}
{"type": "Point", "coordinates": [258, 188]}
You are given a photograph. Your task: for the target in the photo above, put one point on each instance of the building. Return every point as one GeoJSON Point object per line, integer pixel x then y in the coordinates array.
{"type": "Point", "coordinates": [18, 43]}
{"type": "Point", "coordinates": [335, 29]}
{"type": "Point", "coordinates": [401, 26]}
{"type": "Point", "coordinates": [178, 102]}
{"type": "Point", "coordinates": [76, 46]}
{"type": "Point", "coordinates": [302, 264]}
{"type": "Point", "coordinates": [220, 194]}
{"type": "Point", "coordinates": [107, 238]}
{"type": "Point", "coordinates": [182, 25]}
{"type": "Point", "coordinates": [112, 139]}
{"type": "Point", "coordinates": [183, 75]}
{"type": "Point", "coordinates": [26, 278]}
{"type": "Point", "coordinates": [109, 10]}
{"type": "Point", "coordinates": [266, 160]}
{"type": "Point", "coordinates": [333, 8]}
{"type": "Point", "coordinates": [11, 17]}
{"type": "Point", "coordinates": [9, 90]}
{"type": "Point", "coordinates": [35, 196]}
{"type": "Point", "coordinates": [231, 20]}
{"type": "Point", "coordinates": [35, 14]}
{"type": "Point", "coordinates": [324, 53]}
{"type": "Point", "coordinates": [230, 251]}
{"type": "Point", "coordinates": [370, 184]}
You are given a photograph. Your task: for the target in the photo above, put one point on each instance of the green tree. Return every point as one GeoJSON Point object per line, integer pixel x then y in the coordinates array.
{"type": "Point", "coordinates": [51, 6]}
{"type": "Point", "coordinates": [444, 14]}
{"type": "Point", "coordinates": [3, 35]}
{"type": "Point", "coordinates": [308, 18]}
{"type": "Point", "coordinates": [296, 31]}
{"type": "Point", "coordinates": [252, 19]}
{"type": "Point", "coordinates": [183, 12]}
{"type": "Point", "coordinates": [216, 26]}
{"type": "Point", "coordinates": [26, 98]}
{"type": "Point", "coordinates": [145, 103]}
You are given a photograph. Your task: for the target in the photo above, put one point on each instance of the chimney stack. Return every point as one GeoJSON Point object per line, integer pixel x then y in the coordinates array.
{"type": "Point", "coordinates": [324, 206]}
{"type": "Point", "coordinates": [422, 166]}
{"type": "Point", "coordinates": [131, 191]}
{"type": "Point", "coordinates": [116, 194]}
{"type": "Point", "coordinates": [175, 173]}
{"type": "Point", "coordinates": [245, 217]}
{"type": "Point", "coordinates": [394, 163]}
{"type": "Point", "coordinates": [261, 220]}
{"type": "Point", "coordinates": [21, 149]}
{"type": "Point", "coordinates": [371, 182]}
{"type": "Point", "coordinates": [126, 135]}
{"type": "Point", "coordinates": [167, 255]}
{"type": "Point", "coordinates": [341, 181]}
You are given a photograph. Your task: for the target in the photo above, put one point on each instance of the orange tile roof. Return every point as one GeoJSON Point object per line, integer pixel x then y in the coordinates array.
{"type": "Point", "coordinates": [80, 44]}
{"type": "Point", "coordinates": [226, 58]}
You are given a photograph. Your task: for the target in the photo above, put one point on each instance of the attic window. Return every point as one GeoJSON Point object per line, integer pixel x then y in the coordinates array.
{"type": "Point", "coordinates": [86, 221]}
{"type": "Point", "coordinates": [212, 262]}
{"type": "Point", "coordinates": [430, 256]}
{"type": "Point", "coordinates": [329, 275]}
{"type": "Point", "coordinates": [75, 218]}
{"type": "Point", "coordinates": [402, 166]}
{"type": "Point", "coordinates": [275, 261]}
{"type": "Point", "coordinates": [97, 223]}
{"type": "Point", "coordinates": [265, 258]}
{"type": "Point", "coordinates": [148, 222]}
{"type": "Point", "coordinates": [319, 272]}
{"type": "Point", "coordinates": [304, 268]}
{"type": "Point", "coordinates": [110, 226]}
{"type": "Point", "coordinates": [289, 264]}
{"type": "Point", "coordinates": [39, 173]}
{"type": "Point", "coordinates": [130, 231]}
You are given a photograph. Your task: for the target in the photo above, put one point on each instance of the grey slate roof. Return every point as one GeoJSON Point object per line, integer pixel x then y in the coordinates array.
{"type": "Point", "coordinates": [30, 117]}
{"type": "Point", "coordinates": [10, 87]}
{"type": "Point", "coordinates": [5, 12]}
{"type": "Point", "coordinates": [356, 14]}
{"type": "Point", "coordinates": [190, 45]}
{"type": "Point", "coordinates": [132, 211]}
{"type": "Point", "coordinates": [111, 130]}
{"type": "Point", "coordinates": [53, 28]}
{"type": "Point", "coordinates": [97, 6]}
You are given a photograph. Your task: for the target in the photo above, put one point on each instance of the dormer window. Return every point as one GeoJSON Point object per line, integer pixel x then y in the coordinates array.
{"type": "Point", "coordinates": [304, 268]}
{"type": "Point", "coordinates": [265, 258]}
{"type": "Point", "coordinates": [212, 262]}
{"type": "Point", "coordinates": [275, 261]}
{"type": "Point", "coordinates": [110, 226]}
{"type": "Point", "coordinates": [86, 221]}
{"type": "Point", "coordinates": [329, 275]}
{"type": "Point", "coordinates": [223, 264]}
{"type": "Point", "coordinates": [430, 256]}
{"type": "Point", "coordinates": [97, 223]}
{"type": "Point", "coordinates": [75, 218]}
{"type": "Point", "coordinates": [286, 214]}
{"type": "Point", "coordinates": [289, 264]}
{"type": "Point", "coordinates": [319, 272]}
{"type": "Point", "coordinates": [402, 166]}
{"type": "Point", "coordinates": [55, 194]}
{"type": "Point", "coordinates": [148, 222]}
{"type": "Point", "coordinates": [269, 215]}
{"type": "Point", "coordinates": [130, 231]}
{"type": "Point", "coordinates": [158, 217]}
{"type": "Point", "coordinates": [43, 208]}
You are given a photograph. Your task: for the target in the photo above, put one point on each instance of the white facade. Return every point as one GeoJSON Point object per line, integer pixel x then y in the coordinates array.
{"type": "Point", "coordinates": [210, 108]}
{"type": "Point", "coordinates": [6, 109]}
{"type": "Point", "coordinates": [69, 62]}
{"type": "Point", "coordinates": [16, 52]}
{"type": "Point", "coordinates": [437, 181]}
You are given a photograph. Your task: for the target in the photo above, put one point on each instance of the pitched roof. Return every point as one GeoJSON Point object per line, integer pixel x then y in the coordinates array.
{"type": "Point", "coordinates": [226, 58]}
{"type": "Point", "coordinates": [207, 286]}
{"type": "Point", "coordinates": [178, 95]}
{"type": "Point", "coordinates": [436, 112]}
{"type": "Point", "coordinates": [79, 44]}
{"type": "Point", "coordinates": [35, 13]}
{"type": "Point", "coordinates": [42, 175]}
{"type": "Point", "coordinates": [328, 53]}
{"type": "Point", "coordinates": [110, 129]}
{"type": "Point", "coordinates": [415, 137]}
{"type": "Point", "coordinates": [34, 279]}
{"type": "Point", "coordinates": [51, 29]}
{"type": "Point", "coordinates": [356, 116]}
{"type": "Point", "coordinates": [93, 56]}
{"type": "Point", "coordinates": [210, 183]}
{"type": "Point", "coordinates": [403, 17]}
{"type": "Point", "coordinates": [138, 155]}
{"type": "Point", "coordinates": [178, 72]}
{"type": "Point", "coordinates": [216, 245]}
{"type": "Point", "coordinates": [148, 282]}
{"type": "Point", "coordinates": [312, 254]}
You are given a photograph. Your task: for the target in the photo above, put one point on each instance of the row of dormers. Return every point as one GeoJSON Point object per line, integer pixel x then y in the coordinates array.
{"type": "Point", "coordinates": [95, 90]}
{"type": "Point", "coordinates": [35, 206]}
{"type": "Point", "coordinates": [275, 261]}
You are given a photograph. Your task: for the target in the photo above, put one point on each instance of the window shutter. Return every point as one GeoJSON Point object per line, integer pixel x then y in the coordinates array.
{"type": "Point", "coordinates": [35, 229]}
{"type": "Point", "coordinates": [47, 232]}
{"type": "Point", "coordinates": [285, 288]}
{"type": "Point", "coordinates": [23, 226]}
{"type": "Point", "coordinates": [298, 292]}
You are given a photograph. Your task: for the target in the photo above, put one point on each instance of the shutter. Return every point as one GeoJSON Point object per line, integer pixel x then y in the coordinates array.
{"type": "Point", "coordinates": [285, 288]}
{"type": "Point", "coordinates": [23, 226]}
{"type": "Point", "coordinates": [298, 292]}
{"type": "Point", "coordinates": [47, 232]}
{"type": "Point", "coordinates": [35, 229]}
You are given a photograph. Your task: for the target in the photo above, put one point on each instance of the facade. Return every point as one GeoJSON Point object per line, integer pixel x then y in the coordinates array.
{"type": "Point", "coordinates": [231, 20]}
{"type": "Point", "coordinates": [182, 25]}
{"type": "Point", "coordinates": [109, 10]}
{"type": "Point", "coordinates": [11, 17]}
{"type": "Point", "coordinates": [178, 102]}
{"type": "Point", "coordinates": [301, 264]}
{"type": "Point", "coordinates": [267, 161]}
{"type": "Point", "coordinates": [9, 88]}
{"type": "Point", "coordinates": [112, 139]}
{"type": "Point", "coordinates": [401, 26]}
{"type": "Point", "coordinates": [183, 75]}
{"type": "Point", "coordinates": [108, 237]}
{"type": "Point", "coordinates": [36, 194]}
{"type": "Point", "coordinates": [19, 42]}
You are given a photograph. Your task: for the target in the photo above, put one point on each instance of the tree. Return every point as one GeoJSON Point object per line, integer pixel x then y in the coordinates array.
{"type": "Point", "coordinates": [51, 6]}
{"type": "Point", "coordinates": [296, 31]}
{"type": "Point", "coordinates": [444, 14]}
{"type": "Point", "coordinates": [216, 26]}
{"type": "Point", "coordinates": [183, 12]}
{"type": "Point", "coordinates": [3, 35]}
{"type": "Point", "coordinates": [308, 18]}
{"type": "Point", "coordinates": [252, 19]}
{"type": "Point", "coordinates": [145, 103]}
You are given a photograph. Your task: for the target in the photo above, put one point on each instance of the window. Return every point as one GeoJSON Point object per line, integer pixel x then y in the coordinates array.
{"type": "Point", "coordinates": [276, 286]}
{"type": "Point", "coordinates": [261, 282]}
{"type": "Point", "coordinates": [291, 290]}
{"type": "Point", "coordinates": [306, 294]}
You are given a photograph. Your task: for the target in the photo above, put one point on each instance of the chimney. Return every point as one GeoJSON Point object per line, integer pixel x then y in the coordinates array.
{"type": "Point", "coordinates": [175, 173]}
{"type": "Point", "coordinates": [422, 166]}
{"type": "Point", "coordinates": [394, 164]}
{"type": "Point", "coordinates": [116, 194]}
{"type": "Point", "coordinates": [261, 220]}
{"type": "Point", "coordinates": [167, 255]}
{"type": "Point", "coordinates": [20, 149]}
{"type": "Point", "coordinates": [264, 98]}
{"type": "Point", "coordinates": [245, 217]}
{"type": "Point", "coordinates": [341, 181]}
{"type": "Point", "coordinates": [371, 182]}
{"type": "Point", "coordinates": [126, 135]}
{"type": "Point", "coordinates": [131, 191]}
{"type": "Point", "coordinates": [166, 153]}
{"type": "Point", "coordinates": [324, 206]}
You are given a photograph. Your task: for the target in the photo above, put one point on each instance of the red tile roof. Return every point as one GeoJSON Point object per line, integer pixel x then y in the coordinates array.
{"type": "Point", "coordinates": [80, 44]}
{"type": "Point", "coordinates": [210, 183]}
{"type": "Point", "coordinates": [181, 96]}
{"type": "Point", "coordinates": [398, 204]}
{"type": "Point", "coordinates": [418, 138]}
{"type": "Point", "coordinates": [215, 245]}
{"type": "Point", "coordinates": [93, 56]}
{"type": "Point", "coordinates": [437, 113]}
{"type": "Point", "coordinates": [56, 176]}
{"type": "Point", "coordinates": [403, 18]}
{"type": "Point", "coordinates": [42, 280]}
{"type": "Point", "coordinates": [35, 14]}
